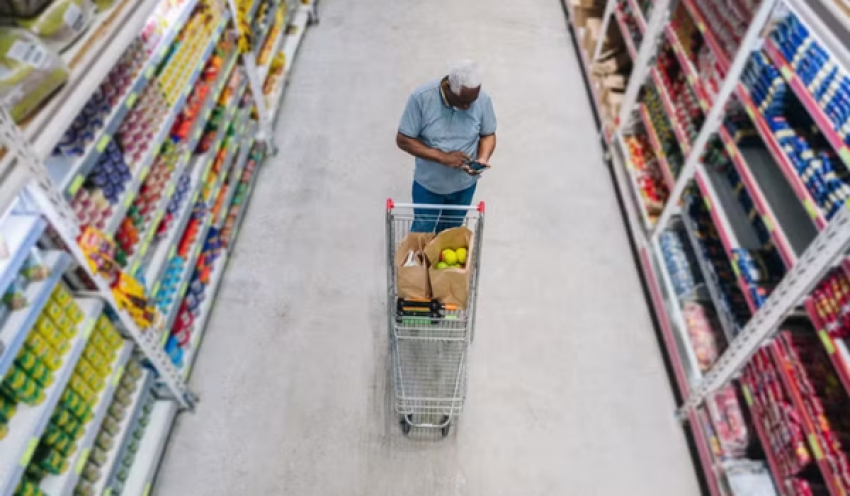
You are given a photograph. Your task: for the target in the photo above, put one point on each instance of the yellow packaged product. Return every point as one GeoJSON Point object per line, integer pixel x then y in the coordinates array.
{"type": "Point", "coordinates": [61, 296]}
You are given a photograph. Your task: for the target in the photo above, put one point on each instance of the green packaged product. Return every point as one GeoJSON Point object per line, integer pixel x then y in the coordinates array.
{"type": "Point", "coordinates": [19, 386]}
{"type": "Point", "coordinates": [104, 441]}
{"type": "Point", "coordinates": [91, 472]}
{"type": "Point", "coordinates": [128, 459]}
{"type": "Point", "coordinates": [53, 462]}
{"type": "Point", "coordinates": [27, 488]}
{"type": "Point", "coordinates": [133, 446]}
{"type": "Point", "coordinates": [62, 22]}
{"type": "Point", "coordinates": [116, 411]}
{"type": "Point", "coordinates": [98, 456]}
{"type": "Point", "coordinates": [8, 407]}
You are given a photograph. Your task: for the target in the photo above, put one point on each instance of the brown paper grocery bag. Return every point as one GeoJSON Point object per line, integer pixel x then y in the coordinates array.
{"type": "Point", "coordinates": [413, 282]}
{"type": "Point", "coordinates": [450, 286]}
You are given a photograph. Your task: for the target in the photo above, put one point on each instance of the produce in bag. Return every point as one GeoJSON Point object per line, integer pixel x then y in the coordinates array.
{"type": "Point", "coordinates": [450, 281]}
{"type": "Point", "coordinates": [22, 8]}
{"type": "Point", "coordinates": [29, 72]}
{"type": "Point", "coordinates": [60, 24]}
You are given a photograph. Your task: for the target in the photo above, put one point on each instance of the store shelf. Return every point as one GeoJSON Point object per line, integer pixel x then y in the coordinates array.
{"type": "Point", "coordinates": [194, 137]}
{"type": "Point", "coordinates": [789, 227]}
{"type": "Point", "coordinates": [189, 265]}
{"type": "Point", "coordinates": [20, 233]}
{"type": "Point", "coordinates": [191, 353]}
{"type": "Point", "coordinates": [695, 422]}
{"type": "Point", "coordinates": [660, 156]}
{"type": "Point", "coordinates": [294, 35]}
{"type": "Point", "coordinates": [27, 425]}
{"type": "Point", "coordinates": [835, 348]}
{"type": "Point", "coordinates": [728, 327]}
{"type": "Point", "coordinates": [90, 59]}
{"type": "Point", "coordinates": [143, 167]}
{"type": "Point", "coordinates": [782, 159]}
{"type": "Point", "coordinates": [125, 429]}
{"type": "Point", "coordinates": [14, 330]}
{"type": "Point", "coordinates": [764, 440]}
{"type": "Point", "coordinates": [150, 449]}
{"type": "Point", "coordinates": [70, 174]}
{"type": "Point", "coordinates": [624, 29]}
{"type": "Point", "coordinates": [63, 485]}
{"type": "Point", "coordinates": [276, 47]}
{"type": "Point", "coordinates": [664, 321]}
{"type": "Point", "coordinates": [638, 15]}
{"type": "Point", "coordinates": [241, 215]}
{"type": "Point", "coordinates": [730, 220]}
{"type": "Point", "coordinates": [232, 186]}
{"type": "Point", "coordinates": [635, 189]}
{"type": "Point", "coordinates": [670, 108]}
{"type": "Point", "coordinates": [691, 74]}
{"type": "Point", "coordinates": [788, 380]}
{"type": "Point", "coordinates": [708, 35]}
{"type": "Point", "coordinates": [812, 106]}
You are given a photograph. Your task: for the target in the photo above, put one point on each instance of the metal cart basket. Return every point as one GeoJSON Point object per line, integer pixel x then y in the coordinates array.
{"type": "Point", "coordinates": [430, 341]}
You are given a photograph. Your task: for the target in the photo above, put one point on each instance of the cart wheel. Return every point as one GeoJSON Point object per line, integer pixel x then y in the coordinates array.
{"type": "Point", "coordinates": [445, 430]}
{"type": "Point", "coordinates": [405, 426]}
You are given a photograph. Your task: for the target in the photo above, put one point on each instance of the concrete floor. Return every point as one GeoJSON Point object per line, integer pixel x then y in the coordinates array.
{"type": "Point", "coordinates": [567, 391]}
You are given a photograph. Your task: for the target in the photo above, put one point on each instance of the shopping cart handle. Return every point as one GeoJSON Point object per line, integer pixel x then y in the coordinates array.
{"type": "Point", "coordinates": [465, 208]}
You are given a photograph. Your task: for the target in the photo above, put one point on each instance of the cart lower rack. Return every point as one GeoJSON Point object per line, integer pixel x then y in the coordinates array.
{"type": "Point", "coordinates": [430, 340]}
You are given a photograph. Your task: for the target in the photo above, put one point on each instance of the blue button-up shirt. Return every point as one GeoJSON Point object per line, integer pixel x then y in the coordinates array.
{"type": "Point", "coordinates": [429, 119]}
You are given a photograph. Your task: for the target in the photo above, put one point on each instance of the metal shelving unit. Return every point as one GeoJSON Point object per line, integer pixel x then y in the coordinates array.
{"type": "Point", "coordinates": [37, 190]}
{"type": "Point", "coordinates": [808, 243]}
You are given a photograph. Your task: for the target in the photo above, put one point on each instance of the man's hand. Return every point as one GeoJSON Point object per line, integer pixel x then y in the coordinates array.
{"type": "Point", "coordinates": [455, 160]}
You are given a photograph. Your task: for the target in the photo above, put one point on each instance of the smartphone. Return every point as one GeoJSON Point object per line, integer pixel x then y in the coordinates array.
{"type": "Point", "coordinates": [477, 167]}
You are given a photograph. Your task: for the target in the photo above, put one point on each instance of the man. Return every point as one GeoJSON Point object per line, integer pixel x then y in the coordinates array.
{"type": "Point", "coordinates": [447, 124]}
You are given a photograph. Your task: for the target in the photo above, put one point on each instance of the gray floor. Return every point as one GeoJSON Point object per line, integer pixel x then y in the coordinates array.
{"type": "Point", "coordinates": [567, 393]}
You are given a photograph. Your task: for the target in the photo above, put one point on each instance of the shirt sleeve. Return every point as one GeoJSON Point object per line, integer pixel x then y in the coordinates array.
{"type": "Point", "coordinates": [411, 119]}
{"type": "Point", "coordinates": [488, 119]}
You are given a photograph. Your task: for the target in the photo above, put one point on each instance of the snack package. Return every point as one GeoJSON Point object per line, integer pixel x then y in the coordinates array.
{"type": "Point", "coordinates": [60, 24]}
{"type": "Point", "coordinates": [29, 72]}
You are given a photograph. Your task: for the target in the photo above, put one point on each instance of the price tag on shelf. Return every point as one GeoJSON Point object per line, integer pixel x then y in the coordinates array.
{"type": "Point", "coordinates": [768, 223]}
{"type": "Point", "coordinates": [147, 490]}
{"type": "Point", "coordinates": [827, 341]}
{"type": "Point", "coordinates": [748, 397]}
{"type": "Point", "coordinates": [81, 461]}
{"type": "Point", "coordinates": [101, 145]}
{"type": "Point", "coordinates": [844, 153]}
{"type": "Point", "coordinates": [155, 288]}
{"type": "Point", "coordinates": [28, 452]}
{"type": "Point", "coordinates": [149, 72]}
{"type": "Point", "coordinates": [136, 264]}
{"type": "Point", "coordinates": [128, 201]}
{"type": "Point", "coordinates": [707, 203]}
{"type": "Point", "coordinates": [89, 330]}
{"type": "Point", "coordinates": [75, 184]}
{"type": "Point", "coordinates": [117, 376]}
{"type": "Point", "coordinates": [816, 450]}
{"type": "Point", "coordinates": [810, 208]}
{"type": "Point", "coordinates": [131, 100]}
{"type": "Point", "coordinates": [786, 72]}
{"type": "Point", "coordinates": [171, 252]}
{"type": "Point", "coordinates": [750, 112]}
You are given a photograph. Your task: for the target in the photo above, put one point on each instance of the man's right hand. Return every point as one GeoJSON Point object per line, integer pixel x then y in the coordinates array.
{"type": "Point", "coordinates": [455, 160]}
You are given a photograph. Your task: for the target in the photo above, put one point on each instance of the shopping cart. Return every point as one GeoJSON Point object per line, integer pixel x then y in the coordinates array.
{"type": "Point", "coordinates": [430, 341]}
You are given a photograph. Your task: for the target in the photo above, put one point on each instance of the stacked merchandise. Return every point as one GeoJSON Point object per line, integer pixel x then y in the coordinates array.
{"type": "Point", "coordinates": [770, 175]}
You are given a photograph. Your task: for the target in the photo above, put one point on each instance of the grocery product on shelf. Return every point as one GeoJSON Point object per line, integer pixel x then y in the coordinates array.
{"type": "Point", "coordinates": [147, 120]}
{"type": "Point", "coordinates": [647, 174]}
{"type": "Point", "coordinates": [31, 72]}
{"type": "Point", "coordinates": [61, 22]}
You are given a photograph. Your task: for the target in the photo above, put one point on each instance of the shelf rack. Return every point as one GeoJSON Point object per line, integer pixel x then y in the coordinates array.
{"type": "Point", "coordinates": [808, 243]}
{"type": "Point", "coordinates": [37, 217]}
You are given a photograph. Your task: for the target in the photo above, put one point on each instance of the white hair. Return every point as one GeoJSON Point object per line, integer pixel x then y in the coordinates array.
{"type": "Point", "coordinates": [464, 74]}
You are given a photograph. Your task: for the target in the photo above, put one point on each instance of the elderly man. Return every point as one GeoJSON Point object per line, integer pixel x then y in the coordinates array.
{"type": "Point", "coordinates": [447, 125]}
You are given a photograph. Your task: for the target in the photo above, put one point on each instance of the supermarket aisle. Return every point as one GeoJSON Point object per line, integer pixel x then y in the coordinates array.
{"type": "Point", "coordinates": [567, 392]}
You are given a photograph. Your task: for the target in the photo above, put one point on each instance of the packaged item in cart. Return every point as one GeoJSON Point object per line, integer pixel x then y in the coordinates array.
{"type": "Point", "coordinates": [29, 72]}
{"type": "Point", "coordinates": [60, 24]}
{"type": "Point", "coordinates": [449, 285]}
{"type": "Point", "coordinates": [412, 267]}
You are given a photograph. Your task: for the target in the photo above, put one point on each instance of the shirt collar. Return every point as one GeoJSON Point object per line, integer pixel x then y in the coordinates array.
{"type": "Point", "coordinates": [443, 95]}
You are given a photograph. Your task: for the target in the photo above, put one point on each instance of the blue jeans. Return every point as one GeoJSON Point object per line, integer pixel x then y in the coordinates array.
{"type": "Point", "coordinates": [437, 220]}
